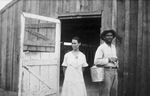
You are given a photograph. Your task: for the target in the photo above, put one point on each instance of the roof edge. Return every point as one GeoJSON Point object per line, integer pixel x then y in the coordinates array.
{"type": "Point", "coordinates": [8, 5]}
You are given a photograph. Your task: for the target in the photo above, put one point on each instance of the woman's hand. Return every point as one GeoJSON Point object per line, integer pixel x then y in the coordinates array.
{"type": "Point", "coordinates": [83, 69]}
{"type": "Point", "coordinates": [64, 69]}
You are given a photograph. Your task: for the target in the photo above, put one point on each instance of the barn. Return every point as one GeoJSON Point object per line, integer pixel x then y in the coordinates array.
{"type": "Point", "coordinates": [34, 34]}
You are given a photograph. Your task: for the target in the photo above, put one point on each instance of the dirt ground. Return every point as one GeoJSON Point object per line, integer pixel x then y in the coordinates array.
{"type": "Point", "coordinates": [7, 93]}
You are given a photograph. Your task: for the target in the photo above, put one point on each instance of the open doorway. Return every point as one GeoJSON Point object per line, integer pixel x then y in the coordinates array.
{"type": "Point", "coordinates": [88, 29]}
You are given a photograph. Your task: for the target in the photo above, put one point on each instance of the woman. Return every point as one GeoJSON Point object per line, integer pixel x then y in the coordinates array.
{"type": "Point", "coordinates": [73, 64]}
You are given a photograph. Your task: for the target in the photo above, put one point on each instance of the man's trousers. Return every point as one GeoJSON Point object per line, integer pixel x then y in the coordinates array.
{"type": "Point", "coordinates": [109, 87]}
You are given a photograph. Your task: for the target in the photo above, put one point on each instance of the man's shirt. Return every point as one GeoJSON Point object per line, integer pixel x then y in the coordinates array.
{"type": "Point", "coordinates": [103, 53]}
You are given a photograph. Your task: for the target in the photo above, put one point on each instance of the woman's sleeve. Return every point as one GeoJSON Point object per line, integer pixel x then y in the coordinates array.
{"type": "Point", "coordinates": [65, 61]}
{"type": "Point", "coordinates": [85, 64]}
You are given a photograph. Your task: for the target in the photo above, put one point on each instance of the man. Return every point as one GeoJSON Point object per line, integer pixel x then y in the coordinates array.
{"type": "Point", "coordinates": [106, 57]}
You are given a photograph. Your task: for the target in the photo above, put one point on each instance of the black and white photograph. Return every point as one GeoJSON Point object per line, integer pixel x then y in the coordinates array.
{"type": "Point", "coordinates": [74, 47]}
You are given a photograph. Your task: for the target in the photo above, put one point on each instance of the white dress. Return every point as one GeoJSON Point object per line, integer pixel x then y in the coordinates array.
{"type": "Point", "coordinates": [73, 82]}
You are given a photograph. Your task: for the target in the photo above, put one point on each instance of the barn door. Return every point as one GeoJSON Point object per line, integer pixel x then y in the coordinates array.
{"type": "Point", "coordinates": [39, 59]}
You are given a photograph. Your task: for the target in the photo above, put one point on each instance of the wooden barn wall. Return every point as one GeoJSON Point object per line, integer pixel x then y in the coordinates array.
{"type": "Point", "coordinates": [54, 8]}
{"type": "Point", "coordinates": [133, 26]}
{"type": "Point", "coordinates": [131, 21]}
{"type": "Point", "coordinates": [10, 30]}
{"type": "Point", "coordinates": [9, 50]}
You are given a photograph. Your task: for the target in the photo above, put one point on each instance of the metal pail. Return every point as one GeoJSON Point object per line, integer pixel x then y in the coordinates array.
{"type": "Point", "coordinates": [97, 73]}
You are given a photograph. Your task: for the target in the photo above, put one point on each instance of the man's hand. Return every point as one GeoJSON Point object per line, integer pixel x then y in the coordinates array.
{"type": "Point", "coordinates": [113, 60]}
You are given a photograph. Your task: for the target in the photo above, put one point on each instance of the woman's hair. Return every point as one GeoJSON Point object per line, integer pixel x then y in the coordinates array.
{"type": "Point", "coordinates": [77, 38]}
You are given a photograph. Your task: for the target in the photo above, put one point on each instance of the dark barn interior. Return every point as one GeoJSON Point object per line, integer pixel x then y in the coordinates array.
{"type": "Point", "coordinates": [88, 29]}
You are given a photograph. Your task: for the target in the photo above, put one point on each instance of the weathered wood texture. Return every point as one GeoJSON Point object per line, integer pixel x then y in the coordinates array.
{"type": "Point", "coordinates": [10, 30]}
{"type": "Point", "coordinates": [132, 26]}
{"type": "Point", "coordinates": [39, 74]}
{"type": "Point", "coordinates": [130, 18]}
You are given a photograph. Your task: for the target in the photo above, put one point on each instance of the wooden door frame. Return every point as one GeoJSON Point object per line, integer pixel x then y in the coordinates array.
{"type": "Point", "coordinates": [57, 43]}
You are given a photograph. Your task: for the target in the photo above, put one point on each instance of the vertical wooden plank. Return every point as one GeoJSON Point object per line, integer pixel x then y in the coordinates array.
{"type": "Point", "coordinates": [29, 36]}
{"type": "Point", "coordinates": [53, 36]}
{"type": "Point", "coordinates": [42, 31]}
{"type": "Point", "coordinates": [33, 6]}
{"type": "Point", "coordinates": [25, 82]}
{"type": "Point", "coordinates": [98, 5]}
{"type": "Point", "coordinates": [3, 54]}
{"type": "Point", "coordinates": [107, 15]}
{"type": "Point", "coordinates": [14, 47]}
{"type": "Point", "coordinates": [49, 6]}
{"type": "Point", "coordinates": [114, 14]}
{"type": "Point", "coordinates": [139, 47]}
{"type": "Point", "coordinates": [44, 73]}
{"type": "Point", "coordinates": [120, 30]}
{"type": "Point", "coordinates": [57, 52]}
{"type": "Point", "coordinates": [37, 12]}
{"type": "Point", "coordinates": [132, 46]}
{"type": "Point", "coordinates": [95, 4]}
{"type": "Point", "coordinates": [33, 10]}
{"type": "Point", "coordinates": [120, 46]}
{"type": "Point", "coordinates": [26, 33]}
{"type": "Point", "coordinates": [46, 6]}
{"type": "Point", "coordinates": [50, 35]}
{"type": "Point", "coordinates": [82, 5]}
{"type": "Point", "coordinates": [37, 6]}
{"type": "Point", "coordinates": [24, 5]}
{"type": "Point", "coordinates": [144, 53]}
{"type": "Point", "coordinates": [54, 12]}
{"type": "Point", "coordinates": [71, 5]}
{"type": "Point", "coordinates": [42, 6]}
{"type": "Point", "coordinates": [28, 6]}
{"type": "Point", "coordinates": [66, 6]}
{"type": "Point", "coordinates": [78, 6]}
{"type": "Point", "coordinates": [21, 54]}
{"type": "Point", "coordinates": [9, 50]}
{"type": "Point", "coordinates": [18, 42]}
{"type": "Point", "coordinates": [59, 6]}
{"type": "Point", "coordinates": [90, 4]}
{"type": "Point", "coordinates": [126, 46]}
{"type": "Point", "coordinates": [52, 78]}
{"type": "Point", "coordinates": [12, 42]}
{"type": "Point", "coordinates": [18, 47]}
{"type": "Point", "coordinates": [34, 82]}
{"type": "Point", "coordinates": [63, 6]}
{"type": "Point", "coordinates": [85, 6]}
{"type": "Point", "coordinates": [15, 56]}
{"type": "Point", "coordinates": [148, 72]}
